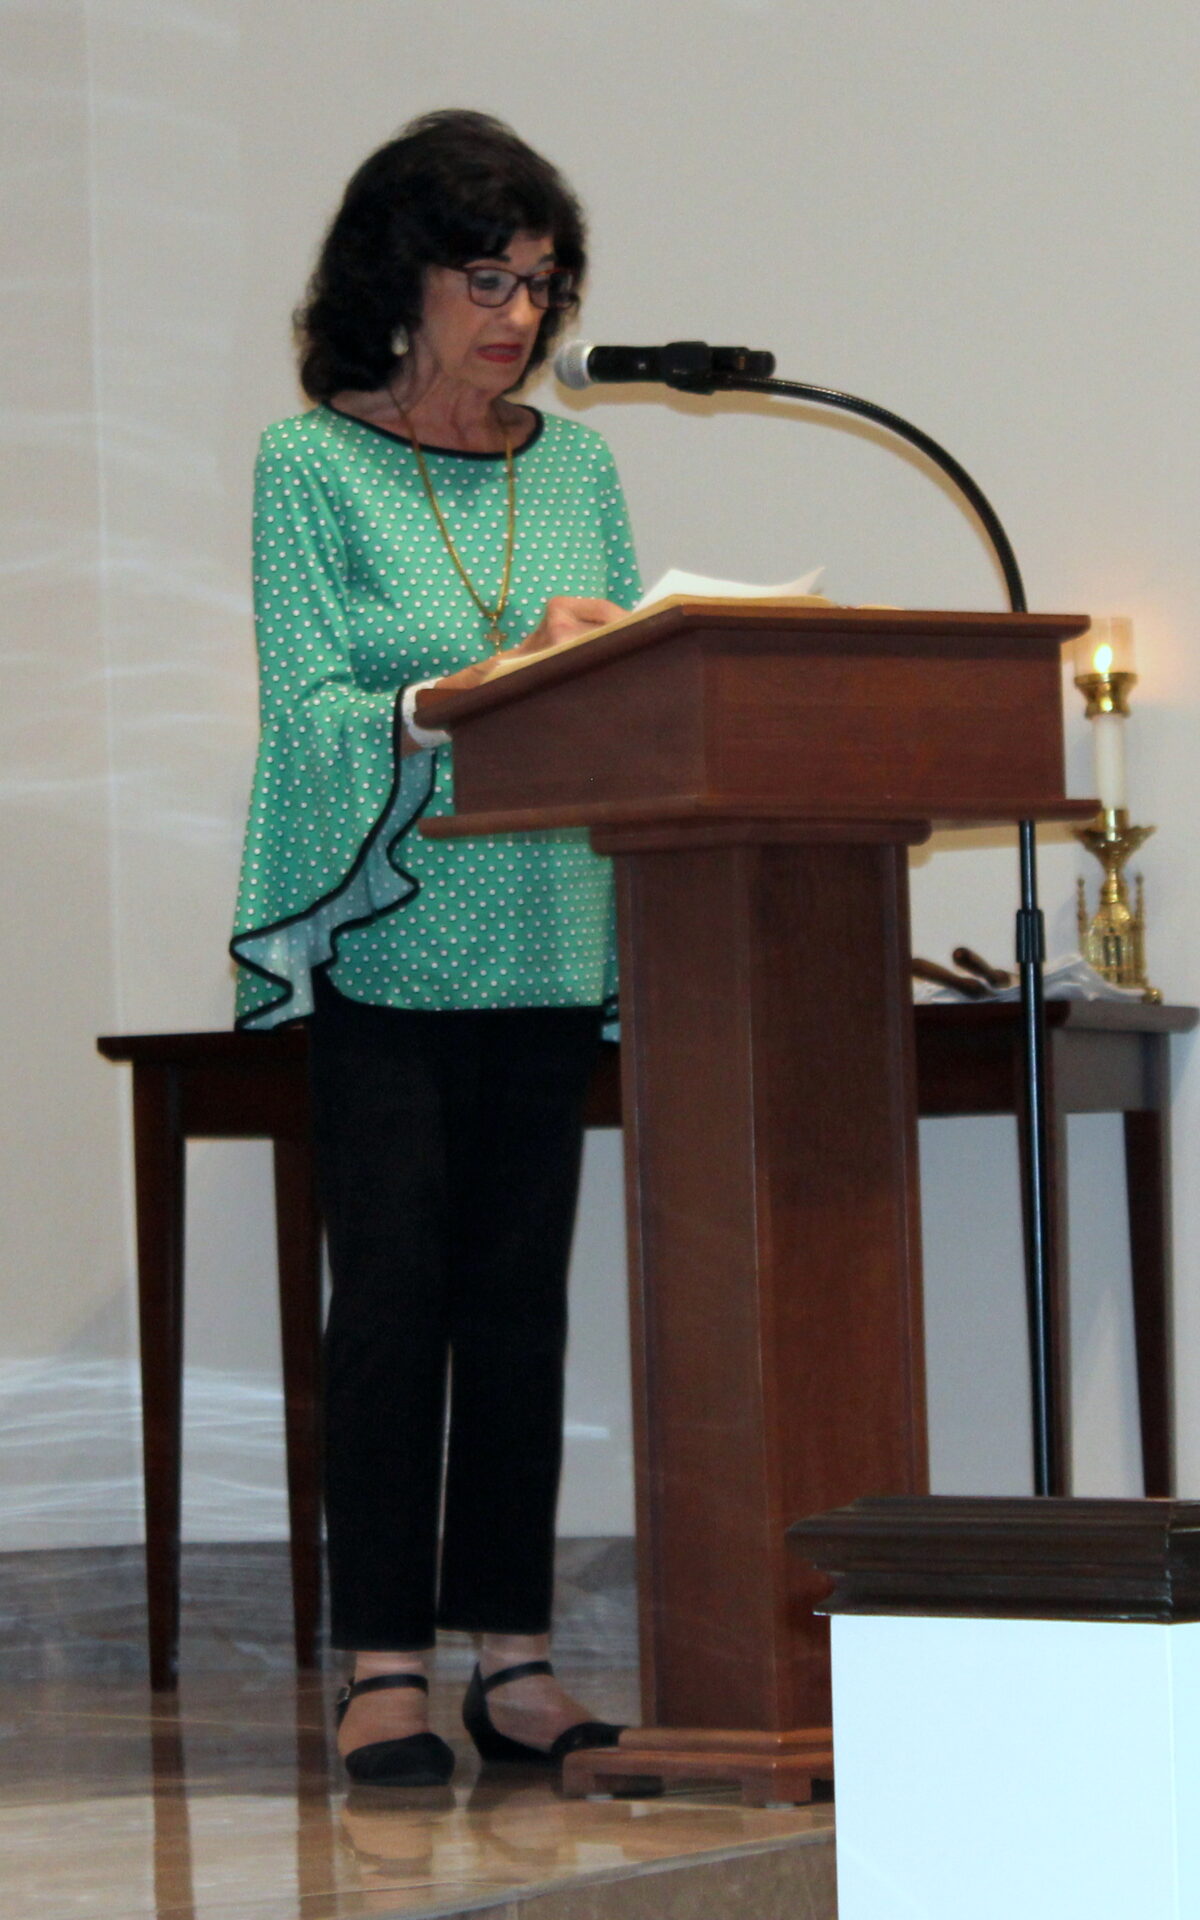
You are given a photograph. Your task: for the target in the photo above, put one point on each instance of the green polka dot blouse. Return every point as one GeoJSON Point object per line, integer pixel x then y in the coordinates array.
{"type": "Point", "coordinates": [355, 596]}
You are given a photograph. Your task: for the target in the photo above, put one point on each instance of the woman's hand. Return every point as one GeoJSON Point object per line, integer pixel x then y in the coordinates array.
{"type": "Point", "coordinates": [566, 617]}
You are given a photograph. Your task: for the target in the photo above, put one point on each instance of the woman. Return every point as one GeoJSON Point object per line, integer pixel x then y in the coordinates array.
{"type": "Point", "coordinates": [410, 527]}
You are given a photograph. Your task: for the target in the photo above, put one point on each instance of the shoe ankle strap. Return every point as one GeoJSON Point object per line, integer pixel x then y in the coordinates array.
{"type": "Point", "coordinates": [522, 1672]}
{"type": "Point", "coordinates": [380, 1680]}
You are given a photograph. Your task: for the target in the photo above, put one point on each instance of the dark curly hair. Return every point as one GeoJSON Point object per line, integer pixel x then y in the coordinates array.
{"type": "Point", "coordinates": [451, 187]}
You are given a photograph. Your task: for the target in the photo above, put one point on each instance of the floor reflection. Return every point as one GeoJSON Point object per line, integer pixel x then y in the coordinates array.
{"type": "Point", "coordinates": [226, 1801]}
{"type": "Point", "coordinates": [172, 1857]}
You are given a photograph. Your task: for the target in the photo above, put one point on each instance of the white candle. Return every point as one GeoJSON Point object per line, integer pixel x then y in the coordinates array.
{"type": "Point", "coordinates": [1108, 745]}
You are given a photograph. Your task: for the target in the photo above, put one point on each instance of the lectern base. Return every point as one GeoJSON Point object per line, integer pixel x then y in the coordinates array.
{"type": "Point", "coordinates": [770, 1768]}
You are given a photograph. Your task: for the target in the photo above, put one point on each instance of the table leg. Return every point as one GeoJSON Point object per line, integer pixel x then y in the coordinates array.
{"type": "Point", "coordinates": [1148, 1182]}
{"type": "Point", "coordinates": [298, 1239]}
{"type": "Point", "coordinates": [159, 1174]}
{"type": "Point", "coordinates": [1058, 1268]}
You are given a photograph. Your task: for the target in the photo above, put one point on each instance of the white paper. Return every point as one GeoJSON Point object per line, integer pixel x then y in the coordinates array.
{"type": "Point", "coordinates": [1067, 978]}
{"type": "Point", "coordinates": [698, 586]}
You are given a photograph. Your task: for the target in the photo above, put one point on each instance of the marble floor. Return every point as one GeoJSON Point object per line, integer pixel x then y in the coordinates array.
{"type": "Point", "coordinates": [225, 1801]}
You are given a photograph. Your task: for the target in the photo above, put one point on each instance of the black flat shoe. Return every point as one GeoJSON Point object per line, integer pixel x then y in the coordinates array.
{"type": "Point", "coordinates": [491, 1745]}
{"type": "Point", "coordinates": [419, 1760]}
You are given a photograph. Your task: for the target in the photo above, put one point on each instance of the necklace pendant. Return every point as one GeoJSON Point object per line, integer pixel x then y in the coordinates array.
{"type": "Point", "coordinates": [497, 636]}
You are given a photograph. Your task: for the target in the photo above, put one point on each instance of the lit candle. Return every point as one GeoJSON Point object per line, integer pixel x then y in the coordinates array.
{"type": "Point", "coordinates": [1104, 671]}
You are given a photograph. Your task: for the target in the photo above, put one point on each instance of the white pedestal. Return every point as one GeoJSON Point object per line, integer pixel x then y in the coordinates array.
{"type": "Point", "coordinates": [994, 1769]}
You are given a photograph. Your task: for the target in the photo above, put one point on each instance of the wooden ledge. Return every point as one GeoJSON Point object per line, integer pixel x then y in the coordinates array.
{"type": "Point", "coordinates": [772, 1769]}
{"type": "Point", "coordinates": [1045, 1559]}
{"type": "Point", "coordinates": [746, 817]}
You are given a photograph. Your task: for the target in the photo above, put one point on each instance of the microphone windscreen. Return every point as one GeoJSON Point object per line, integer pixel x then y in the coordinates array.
{"type": "Point", "coordinates": [571, 364]}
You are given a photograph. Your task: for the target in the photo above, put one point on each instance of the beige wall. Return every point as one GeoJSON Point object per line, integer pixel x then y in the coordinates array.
{"type": "Point", "coordinates": [980, 216]}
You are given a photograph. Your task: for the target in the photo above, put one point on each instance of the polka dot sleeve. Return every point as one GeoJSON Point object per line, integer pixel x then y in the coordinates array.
{"type": "Point", "coordinates": [332, 797]}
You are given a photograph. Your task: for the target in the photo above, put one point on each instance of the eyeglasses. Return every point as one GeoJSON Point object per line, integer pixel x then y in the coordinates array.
{"type": "Point", "coordinates": [549, 288]}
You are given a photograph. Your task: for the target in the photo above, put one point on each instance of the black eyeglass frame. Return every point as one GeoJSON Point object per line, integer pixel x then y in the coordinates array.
{"type": "Point", "coordinates": [544, 275]}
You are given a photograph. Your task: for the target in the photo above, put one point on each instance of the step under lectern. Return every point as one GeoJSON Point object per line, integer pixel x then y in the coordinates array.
{"type": "Point", "coordinates": [758, 770]}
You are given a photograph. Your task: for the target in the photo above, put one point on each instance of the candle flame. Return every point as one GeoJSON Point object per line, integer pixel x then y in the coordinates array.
{"type": "Point", "coordinates": [1102, 659]}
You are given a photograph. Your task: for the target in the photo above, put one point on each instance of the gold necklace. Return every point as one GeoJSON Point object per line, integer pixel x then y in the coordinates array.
{"type": "Point", "coordinates": [495, 633]}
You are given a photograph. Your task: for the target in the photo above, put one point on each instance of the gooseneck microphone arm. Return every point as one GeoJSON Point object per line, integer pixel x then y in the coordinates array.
{"type": "Point", "coordinates": [1030, 931]}
{"type": "Point", "coordinates": [904, 430]}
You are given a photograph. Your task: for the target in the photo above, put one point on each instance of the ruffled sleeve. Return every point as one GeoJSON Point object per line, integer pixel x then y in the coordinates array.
{"type": "Point", "coordinates": [333, 797]}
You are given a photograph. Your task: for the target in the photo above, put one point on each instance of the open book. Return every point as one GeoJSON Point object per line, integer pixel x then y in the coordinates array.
{"type": "Point", "coordinates": [698, 586]}
{"type": "Point", "coordinates": [675, 584]}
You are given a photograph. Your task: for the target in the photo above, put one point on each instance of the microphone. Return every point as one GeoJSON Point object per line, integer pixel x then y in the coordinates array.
{"type": "Point", "coordinates": [681, 363]}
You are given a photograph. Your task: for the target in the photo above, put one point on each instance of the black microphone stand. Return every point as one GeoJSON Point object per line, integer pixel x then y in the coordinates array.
{"type": "Point", "coordinates": [1030, 933]}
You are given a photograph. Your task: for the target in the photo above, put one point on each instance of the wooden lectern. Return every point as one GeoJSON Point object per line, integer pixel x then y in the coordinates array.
{"type": "Point", "coordinates": [758, 770]}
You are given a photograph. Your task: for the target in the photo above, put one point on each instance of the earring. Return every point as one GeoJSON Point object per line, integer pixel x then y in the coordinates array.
{"type": "Point", "coordinates": [399, 341]}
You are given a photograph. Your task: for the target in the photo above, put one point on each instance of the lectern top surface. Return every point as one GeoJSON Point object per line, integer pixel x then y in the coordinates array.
{"type": "Point", "coordinates": [809, 622]}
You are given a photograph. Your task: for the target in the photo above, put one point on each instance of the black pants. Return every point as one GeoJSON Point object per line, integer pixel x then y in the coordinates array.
{"type": "Point", "coordinates": [448, 1149]}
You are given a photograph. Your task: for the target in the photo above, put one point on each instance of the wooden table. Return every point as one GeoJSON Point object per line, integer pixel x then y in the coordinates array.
{"type": "Point", "coordinates": [1103, 1057]}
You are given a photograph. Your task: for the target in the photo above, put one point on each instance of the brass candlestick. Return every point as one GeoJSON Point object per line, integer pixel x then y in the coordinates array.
{"type": "Point", "coordinates": [1113, 941]}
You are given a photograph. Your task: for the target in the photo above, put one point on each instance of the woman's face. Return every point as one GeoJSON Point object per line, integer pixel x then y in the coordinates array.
{"type": "Point", "coordinates": [486, 348]}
